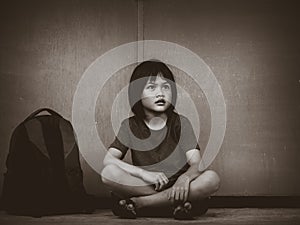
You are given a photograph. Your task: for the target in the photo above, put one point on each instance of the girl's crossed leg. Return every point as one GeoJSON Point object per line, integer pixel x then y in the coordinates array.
{"type": "Point", "coordinates": [145, 197]}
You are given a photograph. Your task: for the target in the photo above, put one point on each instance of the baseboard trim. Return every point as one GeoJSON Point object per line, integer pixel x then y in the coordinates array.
{"type": "Point", "coordinates": [235, 202]}
{"type": "Point", "coordinates": [227, 202]}
{"type": "Point", "coordinates": [255, 202]}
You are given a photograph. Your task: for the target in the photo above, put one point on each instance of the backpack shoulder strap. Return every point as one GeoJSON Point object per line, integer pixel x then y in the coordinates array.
{"type": "Point", "coordinates": [68, 136]}
{"type": "Point", "coordinates": [35, 135]}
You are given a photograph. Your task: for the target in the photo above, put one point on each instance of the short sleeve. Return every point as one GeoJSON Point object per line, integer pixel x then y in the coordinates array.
{"type": "Point", "coordinates": [188, 140]}
{"type": "Point", "coordinates": [122, 140]}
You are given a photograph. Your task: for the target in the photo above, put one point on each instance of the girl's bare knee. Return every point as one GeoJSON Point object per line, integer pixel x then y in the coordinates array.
{"type": "Point", "coordinates": [212, 181]}
{"type": "Point", "coordinates": [205, 185]}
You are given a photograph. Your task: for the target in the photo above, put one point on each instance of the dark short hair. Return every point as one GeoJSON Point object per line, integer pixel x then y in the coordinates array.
{"type": "Point", "coordinates": [138, 80]}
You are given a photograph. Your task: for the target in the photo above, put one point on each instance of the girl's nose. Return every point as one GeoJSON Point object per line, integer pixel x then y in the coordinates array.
{"type": "Point", "coordinates": [159, 93]}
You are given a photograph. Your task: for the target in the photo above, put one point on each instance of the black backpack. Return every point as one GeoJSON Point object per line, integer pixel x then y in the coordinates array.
{"type": "Point", "coordinates": [43, 175]}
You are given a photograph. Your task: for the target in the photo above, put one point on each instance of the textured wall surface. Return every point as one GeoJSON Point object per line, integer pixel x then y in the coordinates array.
{"type": "Point", "coordinates": [45, 46]}
{"type": "Point", "coordinates": [251, 47]}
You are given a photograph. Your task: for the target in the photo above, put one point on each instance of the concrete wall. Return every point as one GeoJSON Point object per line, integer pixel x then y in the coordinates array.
{"type": "Point", "coordinates": [252, 48]}
{"type": "Point", "coordinates": [45, 48]}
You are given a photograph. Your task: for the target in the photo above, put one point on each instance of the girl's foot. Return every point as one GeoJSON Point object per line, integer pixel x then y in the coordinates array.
{"type": "Point", "coordinates": [183, 212]}
{"type": "Point", "coordinates": [124, 208]}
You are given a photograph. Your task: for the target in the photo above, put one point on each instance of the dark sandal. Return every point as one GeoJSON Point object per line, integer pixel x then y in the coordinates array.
{"type": "Point", "coordinates": [123, 208]}
{"type": "Point", "coordinates": [183, 212]}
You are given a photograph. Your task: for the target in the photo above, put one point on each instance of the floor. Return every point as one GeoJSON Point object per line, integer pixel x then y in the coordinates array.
{"type": "Point", "coordinates": [216, 216]}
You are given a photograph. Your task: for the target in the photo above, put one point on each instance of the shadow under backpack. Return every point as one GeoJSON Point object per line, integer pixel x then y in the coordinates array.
{"type": "Point", "coordinates": [43, 175]}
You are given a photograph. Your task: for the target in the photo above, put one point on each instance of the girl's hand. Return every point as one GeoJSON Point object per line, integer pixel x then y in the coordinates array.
{"type": "Point", "coordinates": [180, 190]}
{"type": "Point", "coordinates": [157, 178]}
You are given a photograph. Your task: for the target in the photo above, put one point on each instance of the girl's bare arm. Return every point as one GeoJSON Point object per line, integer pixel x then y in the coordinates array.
{"type": "Point", "coordinates": [113, 156]}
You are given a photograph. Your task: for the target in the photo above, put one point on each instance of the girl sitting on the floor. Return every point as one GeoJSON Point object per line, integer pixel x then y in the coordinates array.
{"type": "Point", "coordinates": [164, 149]}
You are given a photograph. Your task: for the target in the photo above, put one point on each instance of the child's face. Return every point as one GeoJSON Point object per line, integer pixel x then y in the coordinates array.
{"type": "Point", "coordinates": [157, 95]}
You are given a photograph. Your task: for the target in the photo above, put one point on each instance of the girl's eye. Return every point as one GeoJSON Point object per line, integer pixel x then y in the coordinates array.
{"type": "Point", "coordinates": [150, 87]}
{"type": "Point", "coordinates": [166, 87]}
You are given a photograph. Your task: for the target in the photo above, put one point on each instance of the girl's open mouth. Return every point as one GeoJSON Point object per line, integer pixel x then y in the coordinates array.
{"type": "Point", "coordinates": [160, 102]}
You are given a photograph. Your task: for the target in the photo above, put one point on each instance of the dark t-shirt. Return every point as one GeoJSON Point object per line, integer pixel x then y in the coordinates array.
{"type": "Point", "coordinates": [157, 150]}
